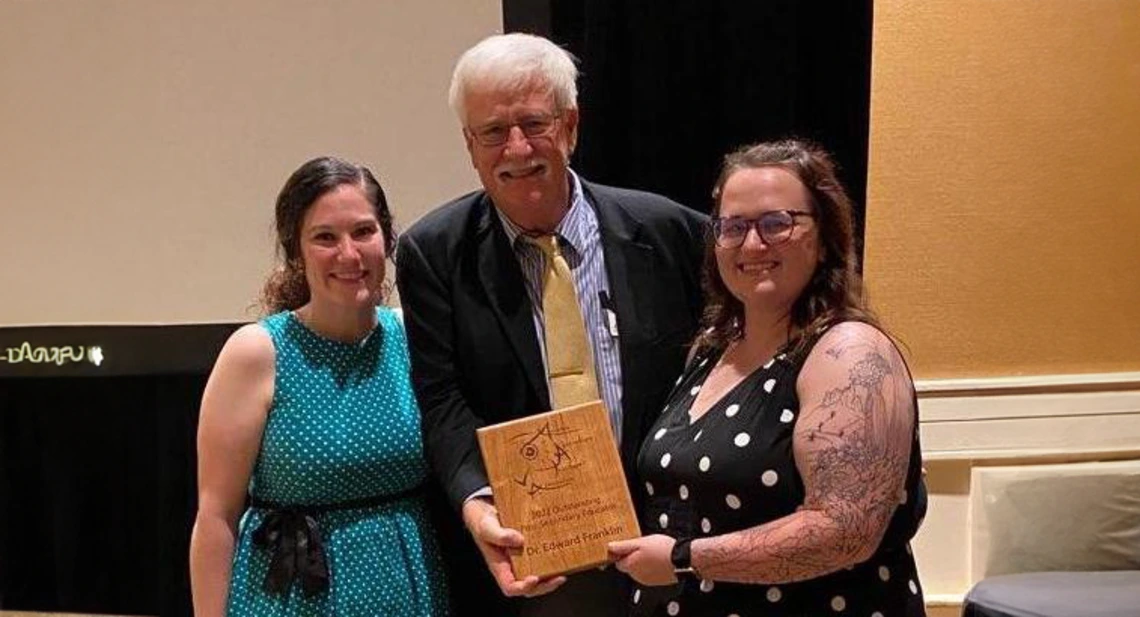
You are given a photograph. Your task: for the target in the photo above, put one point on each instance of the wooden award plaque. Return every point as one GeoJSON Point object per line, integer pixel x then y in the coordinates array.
{"type": "Point", "coordinates": [557, 478]}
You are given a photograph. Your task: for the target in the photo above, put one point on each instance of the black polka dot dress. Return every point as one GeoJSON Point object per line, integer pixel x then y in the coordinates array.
{"type": "Point", "coordinates": [733, 468]}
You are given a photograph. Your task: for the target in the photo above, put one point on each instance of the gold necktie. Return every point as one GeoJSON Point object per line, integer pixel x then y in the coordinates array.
{"type": "Point", "coordinates": [569, 361]}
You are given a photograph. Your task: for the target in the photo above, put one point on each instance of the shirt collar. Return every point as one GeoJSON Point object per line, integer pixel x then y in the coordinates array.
{"type": "Point", "coordinates": [574, 226]}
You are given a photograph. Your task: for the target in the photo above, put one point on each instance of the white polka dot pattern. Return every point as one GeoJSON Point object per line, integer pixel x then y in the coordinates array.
{"type": "Point", "coordinates": [344, 426]}
{"type": "Point", "coordinates": [752, 480]}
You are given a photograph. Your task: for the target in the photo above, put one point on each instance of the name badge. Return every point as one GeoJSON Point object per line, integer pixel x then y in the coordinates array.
{"type": "Point", "coordinates": [611, 322]}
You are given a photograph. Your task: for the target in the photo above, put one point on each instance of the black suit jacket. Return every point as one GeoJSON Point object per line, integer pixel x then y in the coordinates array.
{"type": "Point", "coordinates": [475, 353]}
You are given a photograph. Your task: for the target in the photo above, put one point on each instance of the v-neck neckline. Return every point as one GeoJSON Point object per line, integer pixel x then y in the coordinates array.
{"type": "Point", "coordinates": [690, 421]}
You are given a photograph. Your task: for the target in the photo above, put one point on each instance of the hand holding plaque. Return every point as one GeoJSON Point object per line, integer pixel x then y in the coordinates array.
{"type": "Point", "coordinates": [557, 478]}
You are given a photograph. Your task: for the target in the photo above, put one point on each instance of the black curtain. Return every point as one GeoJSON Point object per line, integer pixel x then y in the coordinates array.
{"type": "Point", "coordinates": [98, 465]}
{"type": "Point", "coordinates": [98, 484]}
{"type": "Point", "coordinates": [668, 88]}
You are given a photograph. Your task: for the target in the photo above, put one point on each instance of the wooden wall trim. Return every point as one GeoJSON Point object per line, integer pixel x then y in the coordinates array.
{"type": "Point", "coordinates": [1037, 418]}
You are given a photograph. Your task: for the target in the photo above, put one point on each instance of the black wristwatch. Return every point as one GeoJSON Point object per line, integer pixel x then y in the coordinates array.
{"type": "Point", "coordinates": [682, 558]}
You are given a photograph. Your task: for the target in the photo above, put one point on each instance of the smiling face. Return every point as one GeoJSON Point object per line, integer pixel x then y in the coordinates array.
{"type": "Point", "coordinates": [526, 177]}
{"type": "Point", "coordinates": [342, 249]}
{"type": "Point", "coordinates": [759, 275]}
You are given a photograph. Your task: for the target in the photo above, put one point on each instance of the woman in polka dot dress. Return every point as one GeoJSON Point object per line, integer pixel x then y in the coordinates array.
{"type": "Point", "coordinates": [784, 475]}
{"type": "Point", "coordinates": [311, 411]}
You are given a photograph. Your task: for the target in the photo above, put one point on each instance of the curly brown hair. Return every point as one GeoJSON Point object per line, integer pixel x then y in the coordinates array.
{"type": "Point", "coordinates": [286, 288]}
{"type": "Point", "coordinates": [835, 292]}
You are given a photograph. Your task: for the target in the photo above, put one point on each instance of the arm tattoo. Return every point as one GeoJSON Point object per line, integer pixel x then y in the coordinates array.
{"type": "Point", "coordinates": [853, 449]}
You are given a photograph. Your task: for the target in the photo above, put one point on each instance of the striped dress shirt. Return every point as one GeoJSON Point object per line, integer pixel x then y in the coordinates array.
{"type": "Point", "coordinates": [581, 244]}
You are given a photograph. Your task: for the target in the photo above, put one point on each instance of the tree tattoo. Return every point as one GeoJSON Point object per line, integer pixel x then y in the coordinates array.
{"type": "Point", "coordinates": [852, 448]}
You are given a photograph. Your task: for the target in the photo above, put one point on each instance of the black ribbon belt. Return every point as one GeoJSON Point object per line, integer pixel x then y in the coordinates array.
{"type": "Point", "coordinates": [293, 537]}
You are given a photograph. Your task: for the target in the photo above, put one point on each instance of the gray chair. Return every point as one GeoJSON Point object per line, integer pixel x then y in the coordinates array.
{"type": "Point", "coordinates": [1064, 541]}
{"type": "Point", "coordinates": [1056, 594]}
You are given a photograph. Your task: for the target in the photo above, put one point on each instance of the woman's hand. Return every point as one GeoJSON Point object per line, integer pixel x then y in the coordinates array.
{"type": "Point", "coordinates": [648, 559]}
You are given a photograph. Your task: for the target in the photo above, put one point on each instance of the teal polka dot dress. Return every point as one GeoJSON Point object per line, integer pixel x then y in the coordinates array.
{"type": "Point", "coordinates": [344, 427]}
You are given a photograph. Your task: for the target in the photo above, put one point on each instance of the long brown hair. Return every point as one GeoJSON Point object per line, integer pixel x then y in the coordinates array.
{"type": "Point", "coordinates": [835, 292]}
{"type": "Point", "coordinates": [286, 288]}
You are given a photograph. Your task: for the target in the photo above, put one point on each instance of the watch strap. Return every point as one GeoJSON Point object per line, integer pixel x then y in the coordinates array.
{"type": "Point", "coordinates": [682, 556]}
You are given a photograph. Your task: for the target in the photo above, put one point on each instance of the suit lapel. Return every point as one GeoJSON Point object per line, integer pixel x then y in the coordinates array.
{"type": "Point", "coordinates": [502, 280]}
{"type": "Point", "coordinates": [628, 262]}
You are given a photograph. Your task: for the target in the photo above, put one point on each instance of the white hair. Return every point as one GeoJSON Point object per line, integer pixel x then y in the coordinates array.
{"type": "Point", "coordinates": [513, 62]}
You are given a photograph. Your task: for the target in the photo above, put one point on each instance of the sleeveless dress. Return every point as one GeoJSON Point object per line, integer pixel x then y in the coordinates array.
{"type": "Point", "coordinates": [732, 469]}
{"type": "Point", "coordinates": [342, 454]}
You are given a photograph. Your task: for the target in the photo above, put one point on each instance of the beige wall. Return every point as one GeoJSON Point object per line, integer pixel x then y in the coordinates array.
{"type": "Point", "coordinates": [142, 143]}
{"type": "Point", "coordinates": [1003, 244]}
{"type": "Point", "coordinates": [1003, 214]}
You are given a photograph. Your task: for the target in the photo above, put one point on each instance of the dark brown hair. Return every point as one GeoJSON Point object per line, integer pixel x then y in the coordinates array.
{"type": "Point", "coordinates": [286, 288]}
{"type": "Point", "coordinates": [835, 291]}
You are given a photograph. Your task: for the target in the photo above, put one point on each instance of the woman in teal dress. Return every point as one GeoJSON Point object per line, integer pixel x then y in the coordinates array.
{"type": "Point", "coordinates": [309, 419]}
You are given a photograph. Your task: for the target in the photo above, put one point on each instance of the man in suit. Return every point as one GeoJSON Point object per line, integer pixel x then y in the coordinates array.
{"type": "Point", "coordinates": [471, 276]}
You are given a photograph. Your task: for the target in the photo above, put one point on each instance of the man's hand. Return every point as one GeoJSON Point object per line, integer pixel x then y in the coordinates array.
{"type": "Point", "coordinates": [494, 541]}
{"type": "Point", "coordinates": [646, 560]}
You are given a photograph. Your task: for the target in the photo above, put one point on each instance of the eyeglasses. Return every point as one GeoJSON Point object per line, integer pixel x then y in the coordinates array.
{"type": "Point", "coordinates": [497, 133]}
{"type": "Point", "coordinates": [775, 227]}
